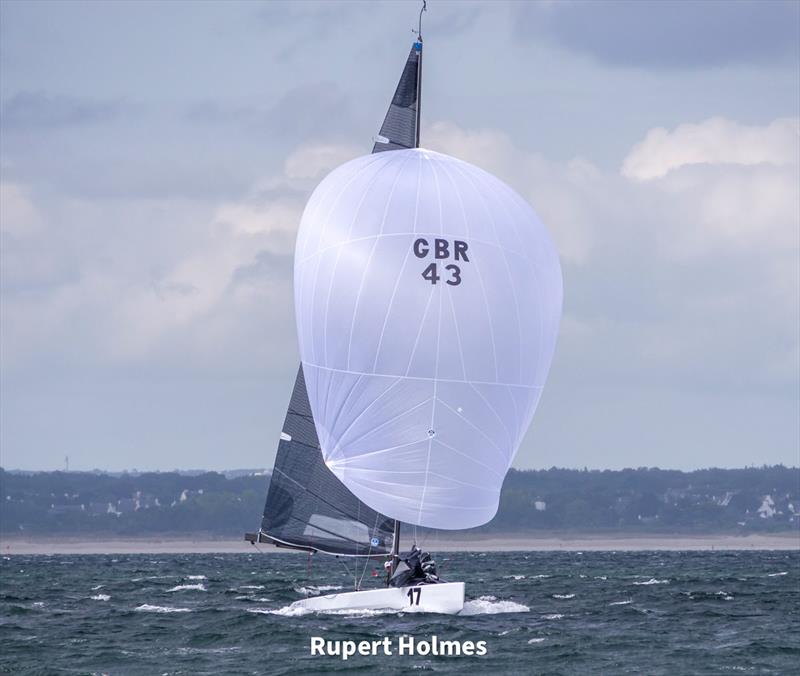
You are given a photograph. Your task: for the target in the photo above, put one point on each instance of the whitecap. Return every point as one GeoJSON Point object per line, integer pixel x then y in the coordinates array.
{"type": "Point", "coordinates": [299, 611]}
{"type": "Point", "coordinates": [601, 577]}
{"type": "Point", "coordinates": [620, 603]}
{"type": "Point", "coordinates": [554, 616]}
{"type": "Point", "coordinates": [489, 605]}
{"type": "Point", "coordinates": [785, 572]}
{"type": "Point", "coordinates": [535, 640]}
{"type": "Point", "coordinates": [188, 587]}
{"type": "Point", "coordinates": [147, 608]}
{"type": "Point", "coordinates": [252, 586]}
{"type": "Point", "coordinates": [100, 597]}
{"type": "Point", "coordinates": [539, 577]}
{"type": "Point", "coordinates": [513, 577]}
{"type": "Point", "coordinates": [196, 577]}
{"type": "Point", "coordinates": [652, 580]}
{"type": "Point", "coordinates": [99, 586]}
{"type": "Point", "coordinates": [313, 590]}
{"type": "Point", "coordinates": [563, 596]}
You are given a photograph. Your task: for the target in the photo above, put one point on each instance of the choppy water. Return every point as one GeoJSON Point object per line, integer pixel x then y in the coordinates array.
{"type": "Point", "coordinates": [553, 613]}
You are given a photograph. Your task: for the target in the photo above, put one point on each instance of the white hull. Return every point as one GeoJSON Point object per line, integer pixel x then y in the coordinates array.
{"type": "Point", "coordinates": [447, 597]}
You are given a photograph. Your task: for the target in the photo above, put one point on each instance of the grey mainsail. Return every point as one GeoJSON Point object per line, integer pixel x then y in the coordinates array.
{"type": "Point", "coordinates": [400, 128]}
{"type": "Point", "coordinates": [307, 507]}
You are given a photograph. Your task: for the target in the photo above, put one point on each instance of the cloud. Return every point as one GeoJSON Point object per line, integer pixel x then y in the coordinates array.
{"type": "Point", "coordinates": [41, 111]}
{"type": "Point", "coordinates": [688, 279]}
{"type": "Point", "coordinates": [715, 141]}
{"type": "Point", "coordinates": [667, 34]}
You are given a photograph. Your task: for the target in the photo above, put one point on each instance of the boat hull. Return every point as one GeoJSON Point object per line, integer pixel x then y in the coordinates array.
{"type": "Point", "coordinates": [446, 597]}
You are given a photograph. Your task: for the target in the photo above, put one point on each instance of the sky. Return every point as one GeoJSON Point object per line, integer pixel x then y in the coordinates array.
{"type": "Point", "coordinates": [155, 159]}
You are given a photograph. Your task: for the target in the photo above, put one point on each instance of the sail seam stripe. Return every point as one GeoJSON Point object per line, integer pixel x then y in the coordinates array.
{"type": "Point", "coordinates": [502, 250]}
{"type": "Point", "coordinates": [402, 268]}
{"type": "Point", "coordinates": [406, 377]}
{"type": "Point", "coordinates": [539, 293]}
{"type": "Point", "coordinates": [432, 429]}
{"type": "Point", "coordinates": [319, 264]}
{"type": "Point", "coordinates": [485, 242]}
{"type": "Point", "coordinates": [360, 415]}
{"type": "Point", "coordinates": [371, 255]}
{"type": "Point", "coordinates": [480, 279]}
{"type": "Point", "coordinates": [384, 424]}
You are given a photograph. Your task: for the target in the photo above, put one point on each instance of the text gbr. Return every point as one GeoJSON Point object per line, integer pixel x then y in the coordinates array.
{"type": "Point", "coordinates": [442, 249]}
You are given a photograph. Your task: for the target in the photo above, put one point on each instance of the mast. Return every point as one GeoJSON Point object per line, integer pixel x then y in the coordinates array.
{"type": "Point", "coordinates": [418, 47]}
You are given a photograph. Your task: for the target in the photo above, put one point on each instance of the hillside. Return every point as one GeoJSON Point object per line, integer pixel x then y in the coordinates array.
{"type": "Point", "coordinates": [765, 499]}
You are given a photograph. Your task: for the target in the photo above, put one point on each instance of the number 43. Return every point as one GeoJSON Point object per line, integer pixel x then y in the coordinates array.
{"type": "Point", "coordinates": [432, 275]}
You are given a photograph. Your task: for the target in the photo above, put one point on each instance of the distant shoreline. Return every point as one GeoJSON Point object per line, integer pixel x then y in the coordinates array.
{"type": "Point", "coordinates": [787, 541]}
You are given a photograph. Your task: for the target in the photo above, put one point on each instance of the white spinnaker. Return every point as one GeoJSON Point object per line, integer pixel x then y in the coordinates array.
{"type": "Point", "coordinates": [422, 391]}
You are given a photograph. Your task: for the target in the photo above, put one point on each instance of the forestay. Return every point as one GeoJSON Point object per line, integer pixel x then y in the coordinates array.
{"type": "Point", "coordinates": [428, 298]}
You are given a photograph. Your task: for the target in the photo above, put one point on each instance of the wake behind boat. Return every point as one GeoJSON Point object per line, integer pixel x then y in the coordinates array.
{"type": "Point", "coordinates": [428, 298]}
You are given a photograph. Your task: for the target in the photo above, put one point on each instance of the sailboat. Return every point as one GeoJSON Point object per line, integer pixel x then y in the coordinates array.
{"type": "Point", "coordinates": [428, 298]}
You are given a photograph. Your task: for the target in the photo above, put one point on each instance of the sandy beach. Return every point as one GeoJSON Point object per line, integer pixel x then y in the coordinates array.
{"type": "Point", "coordinates": [545, 542]}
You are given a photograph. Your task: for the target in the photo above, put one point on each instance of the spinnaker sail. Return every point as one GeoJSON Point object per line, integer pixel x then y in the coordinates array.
{"type": "Point", "coordinates": [428, 299]}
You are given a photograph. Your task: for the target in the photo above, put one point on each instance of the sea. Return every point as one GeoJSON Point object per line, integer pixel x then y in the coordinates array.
{"type": "Point", "coordinates": [733, 612]}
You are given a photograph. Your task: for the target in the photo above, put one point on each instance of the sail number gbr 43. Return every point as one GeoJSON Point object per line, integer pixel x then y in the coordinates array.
{"type": "Point", "coordinates": [442, 250]}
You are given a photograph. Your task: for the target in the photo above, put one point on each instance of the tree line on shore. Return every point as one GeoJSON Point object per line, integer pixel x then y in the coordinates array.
{"type": "Point", "coordinates": [646, 500]}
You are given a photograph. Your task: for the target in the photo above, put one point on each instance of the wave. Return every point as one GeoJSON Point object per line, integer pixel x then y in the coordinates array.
{"type": "Point", "coordinates": [251, 586]}
{"type": "Point", "coordinates": [784, 572]}
{"type": "Point", "coordinates": [188, 587]}
{"type": "Point", "coordinates": [299, 611]}
{"type": "Point", "coordinates": [652, 580]}
{"type": "Point", "coordinates": [96, 587]}
{"type": "Point", "coordinates": [100, 597]}
{"type": "Point", "coordinates": [489, 605]}
{"type": "Point", "coordinates": [196, 577]}
{"type": "Point", "coordinates": [314, 590]}
{"type": "Point", "coordinates": [620, 603]}
{"type": "Point", "coordinates": [535, 640]}
{"type": "Point", "coordinates": [563, 596]}
{"type": "Point", "coordinates": [539, 577]}
{"type": "Point", "coordinates": [513, 577]}
{"type": "Point", "coordinates": [553, 616]}
{"type": "Point", "coordinates": [147, 608]}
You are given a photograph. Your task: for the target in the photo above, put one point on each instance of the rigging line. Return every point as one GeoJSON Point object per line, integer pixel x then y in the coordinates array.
{"type": "Point", "coordinates": [366, 561]}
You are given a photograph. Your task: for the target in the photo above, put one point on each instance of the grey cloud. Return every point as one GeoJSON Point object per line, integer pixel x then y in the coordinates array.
{"type": "Point", "coordinates": [321, 109]}
{"type": "Point", "coordinates": [37, 110]}
{"type": "Point", "coordinates": [267, 267]}
{"type": "Point", "coordinates": [667, 33]}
